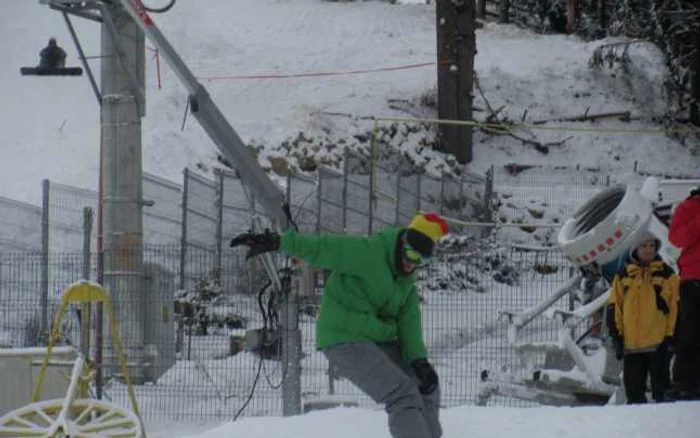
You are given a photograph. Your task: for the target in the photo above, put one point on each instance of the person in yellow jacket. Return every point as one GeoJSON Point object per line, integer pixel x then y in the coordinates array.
{"type": "Point", "coordinates": [641, 318]}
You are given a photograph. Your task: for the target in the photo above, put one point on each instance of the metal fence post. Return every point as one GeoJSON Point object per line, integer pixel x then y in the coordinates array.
{"type": "Point", "coordinates": [85, 311]}
{"type": "Point", "coordinates": [319, 199]}
{"type": "Point", "coordinates": [372, 194]}
{"type": "Point", "coordinates": [288, 194]}
{"type": "Point", "coordinates": [183, 236]}
{"type": "Point", "coordinates": [291, 349]}
{"type": "Point", "coordinates": [419, 195]}
{"type": "Point", "coordinates": [180, 330]}
{"type": "Point", "coordinates": [219, 226]}
{"type": "Point", "coordinates": [44, 298]}
{"type": "Point", "coordinates": [441, 207]}
{"type": "Point", "coordinates": [462, 204]}
{"type": "Point", "coordinates": [346, 169]}
{"type": "Point", "coordinates": [397, 210]}
{"type": "Point", "coordinates": [488, 200]}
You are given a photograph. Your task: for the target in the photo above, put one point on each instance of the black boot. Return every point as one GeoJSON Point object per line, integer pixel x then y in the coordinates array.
{"type": "Point", "coordinates": [680, 392]}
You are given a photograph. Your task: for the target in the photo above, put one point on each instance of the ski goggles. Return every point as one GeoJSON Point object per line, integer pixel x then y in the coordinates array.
{"type": "Point", "coordinates": [414, 256]}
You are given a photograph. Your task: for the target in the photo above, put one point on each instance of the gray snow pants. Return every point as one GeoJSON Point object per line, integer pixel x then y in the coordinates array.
{"type": "Point", "coordinates": [381, 373]}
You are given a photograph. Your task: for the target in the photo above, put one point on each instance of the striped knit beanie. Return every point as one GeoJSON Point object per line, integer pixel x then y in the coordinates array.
{"type": "Point", "coordinates": [424, 231]}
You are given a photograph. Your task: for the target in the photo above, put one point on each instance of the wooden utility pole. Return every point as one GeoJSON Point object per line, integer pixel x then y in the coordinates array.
{"type": "Point", "coordinates": [456, 48]}
{"type": "Point", "coordinates": [695, 83]}
{"type": "Point", "coordinates": [573, 15]}
{"type": "Point", "coordinates": [481, 9]}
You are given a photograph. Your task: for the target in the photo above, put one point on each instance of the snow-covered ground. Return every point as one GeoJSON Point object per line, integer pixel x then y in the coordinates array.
{"type": "Point", "coordinates": [674, 420]}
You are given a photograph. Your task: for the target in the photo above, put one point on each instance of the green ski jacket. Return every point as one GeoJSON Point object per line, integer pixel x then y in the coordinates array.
{"type": "Point", "coordinates": [365, 297]}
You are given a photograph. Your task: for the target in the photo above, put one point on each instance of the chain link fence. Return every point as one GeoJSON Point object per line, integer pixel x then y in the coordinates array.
{"type": "Point", "coordinates": [212, 376]}
{"type": "Point", "coordinates": [198, 364]}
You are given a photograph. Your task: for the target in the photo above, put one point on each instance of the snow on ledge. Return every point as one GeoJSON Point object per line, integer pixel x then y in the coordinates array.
{"type": "Point", "coordinates": [34, 351]}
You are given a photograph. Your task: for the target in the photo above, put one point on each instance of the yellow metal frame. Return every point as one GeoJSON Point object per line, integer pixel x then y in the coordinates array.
{"type": "Point", "coordinates": [86, 293]}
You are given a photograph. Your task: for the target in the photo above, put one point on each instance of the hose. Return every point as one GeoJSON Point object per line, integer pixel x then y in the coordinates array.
{"type": "Point", "coordinates": [165, 8]}
{"type": "Point", "coordinates": [597, 209]}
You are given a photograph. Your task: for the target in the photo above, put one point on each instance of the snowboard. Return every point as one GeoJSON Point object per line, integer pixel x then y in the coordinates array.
{"type": "Point", "coordinates": [43, 71]}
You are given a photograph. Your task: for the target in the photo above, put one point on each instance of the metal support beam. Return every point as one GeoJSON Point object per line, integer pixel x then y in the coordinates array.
{"type": "Point", "coordinates": [78, 12]}
{"type": "Point", "coordinates": [213, 121]}
{"type": "Point", "coordinates": [83, 60]}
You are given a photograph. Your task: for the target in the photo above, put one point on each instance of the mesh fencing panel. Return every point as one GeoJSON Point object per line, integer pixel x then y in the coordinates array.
{"type": "Point", "coordinates": [20, 226]}
{"type": "Point", "coordinates": [303, 201]}
{"type": "Point", "coordinates": [66, 216]}
{"type": "Point", "coordinates": [430, 189]}
{"type": "Point", "coordinates": [201, 215]}
{"type": "Point", "coordinates": [385, 195]}
{"type": "Point", "coordinates": [358, 193]}
{"type": "Point", "coordinates": [563, 188]}
{"type": "Point", "coordinates": [211, 376]}
{"type": "Point", "coordinates": [330, 201]}
{"type": "Point", "coordinates": [162, 222]}
{"type": "Point", "coordinates": [408, 194]}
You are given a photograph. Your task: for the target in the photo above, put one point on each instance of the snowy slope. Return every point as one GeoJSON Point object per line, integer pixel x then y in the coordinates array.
{"type": "Point", "coordinates": [651, 421]}
{"type": "Point", "coordinates": [50, 126]}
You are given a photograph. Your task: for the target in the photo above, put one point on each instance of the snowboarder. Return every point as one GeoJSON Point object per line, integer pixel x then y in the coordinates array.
{"type": "Point", "coordinates": [684, 233]}
{"type": "Point", "coordinates": [52, 56]}
{"type": "Point", "coordinates": [642, 312]}
{"type": "Point", "coordinates": [369, 324]}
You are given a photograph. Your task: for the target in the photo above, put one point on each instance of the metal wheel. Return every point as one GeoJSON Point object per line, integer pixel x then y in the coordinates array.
{"type": "Point", "coordinates": [83, 419]}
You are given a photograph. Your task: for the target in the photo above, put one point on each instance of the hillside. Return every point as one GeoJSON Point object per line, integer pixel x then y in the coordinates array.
{"type": "Point", "coordinates": [531, 77]}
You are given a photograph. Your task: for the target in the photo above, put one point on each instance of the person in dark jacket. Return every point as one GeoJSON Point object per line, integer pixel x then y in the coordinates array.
{"type": "Point", "coordinates": [369, 325]}
{"type": "Point", "coordinates": [52, 56]}
{"type": "Point", "coordinates": [684, 233]}
{"type": "Point", "coordinates": [642, 311]}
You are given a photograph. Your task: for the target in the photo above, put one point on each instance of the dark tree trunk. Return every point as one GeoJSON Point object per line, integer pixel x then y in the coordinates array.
{"type": "Point", "coordinates": [573, 14]}
{"type": "Point", "coordinates": [456, 49]}
{"type": "Point", "coordinates": [504, 11]}
{"type": "Point", "coordinates": [481, 9]}
{"type": "Point", "coordinates": [695, 82]}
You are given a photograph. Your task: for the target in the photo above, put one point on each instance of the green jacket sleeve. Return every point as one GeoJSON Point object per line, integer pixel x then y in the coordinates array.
{"type": "Point", "coordinates": [353, 255]}
{"type": "Point", "coordinates": [410, 330]}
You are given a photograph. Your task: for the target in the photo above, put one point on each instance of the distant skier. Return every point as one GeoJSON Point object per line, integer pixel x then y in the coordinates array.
{"type": "Point", "coordinates": [369, 325]}
{"type": "Point", "coordinates": [52, 56]}
{"type": "Point", "coordinates": [642, 311]}
{"type": "Point", "coordinates": [684, 233]}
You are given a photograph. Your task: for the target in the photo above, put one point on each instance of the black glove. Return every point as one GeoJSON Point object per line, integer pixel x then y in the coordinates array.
{"type": "Point", "coordinates": [666, 346]}
{"type": "Point", "coordinates": [426, 375]}
{"type": "Point", "coordinates": [619, 345]}
{"type": "Point", "coordinates": [258, 243]}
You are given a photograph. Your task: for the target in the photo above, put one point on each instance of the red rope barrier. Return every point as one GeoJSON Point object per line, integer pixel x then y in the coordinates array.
{"type": "Point", "coordinates": [315, 74]}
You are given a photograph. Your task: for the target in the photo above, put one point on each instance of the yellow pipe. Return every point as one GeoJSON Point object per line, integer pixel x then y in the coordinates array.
{"type": "Point", "coordinates": [36, 392]}
{"type": "Point", "coordinates": [86, 292]}
{"type": "Point", "coordinates": [122, 360]}
{"type": "Point", "coordinates": [503, 126]}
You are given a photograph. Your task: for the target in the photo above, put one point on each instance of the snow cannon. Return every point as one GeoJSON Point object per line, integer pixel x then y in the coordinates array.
{"type": "Point", "coordinates": [579, 367]}
{"type": "Point", "coordinates": [601, 233]}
